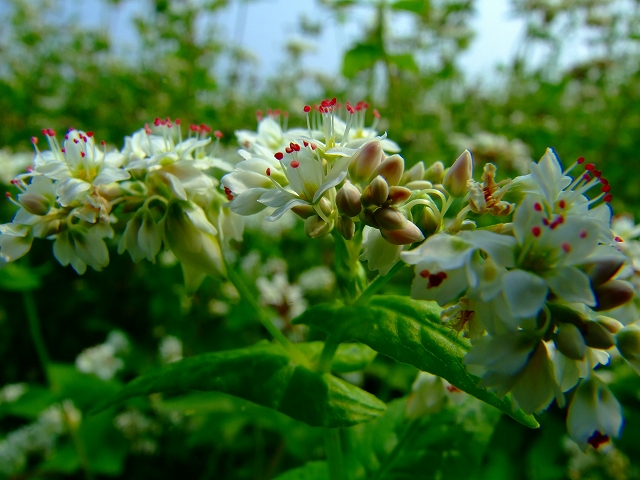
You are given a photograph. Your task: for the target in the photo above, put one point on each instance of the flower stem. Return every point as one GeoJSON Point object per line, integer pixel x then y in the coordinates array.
{"type": "Point", "coordinates": [334, 453]}
{"type": "Point", "coordinates": [263, 318]}
{"type": "Point", "coordinates": [349, 271]}
{"type": "Point", "coordinates": [36, 333]}
{"type": "Point", "coordinates": [390, 461]}
{"type": "Point", "coordinates": [328, 352]}
{"type": "Point", "coordinates": [377, 283]}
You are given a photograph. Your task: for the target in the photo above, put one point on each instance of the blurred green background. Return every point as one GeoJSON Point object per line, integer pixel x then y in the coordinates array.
{"type": "Point", "coordinates": [59, 68]}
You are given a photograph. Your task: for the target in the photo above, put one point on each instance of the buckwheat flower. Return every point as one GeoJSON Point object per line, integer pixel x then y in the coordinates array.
{"type": "Point", "coordinates": [101, 360]}
{"type": "Point", "coordinates": [269, 136]}
{"type": "Point", "coordinates": [595, 416]}
{"type": "Point", "coordinates": [429, 394]}
{"type": "Point", "coordinates": [12, 392]}
{"type": "Point", "coordinates": [170, 349]}
{"type": "Point", "coordinates": [140, 430]}
{"type": "Point", "coordinates": [317, 280]}
{"type": "Point", "coordinates": [83, 245]}
{"type": "Point", "coordinates": [379, 254]}
{"type": "Point", "coordinates": [12, 164]}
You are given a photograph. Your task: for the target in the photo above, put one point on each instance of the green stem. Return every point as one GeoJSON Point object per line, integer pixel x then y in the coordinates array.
{"type": "Point", "coordinates": [334, 453]}
{"type": "Point", "coordinates": [82, 453]}
{"type": "Point", "coordinates": [36, 333]}
{"type": "Point", "coordinates": [390, 461]}
{"type": "Point", "coordinates": [349, 271]}
{"type": "Point", "coordinates": [328, 352]}
{"type": "Point", "coordinates": [377, 283]}
{"type": "Point", "coordinates": [263, 318]}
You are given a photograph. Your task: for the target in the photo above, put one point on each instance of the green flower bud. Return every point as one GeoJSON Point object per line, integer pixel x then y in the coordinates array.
{"type": "Point", "coordinates": [455, 181]}
{"type": "Point", "coordinates": [365, 161]}
{"type": "Point", "coordinates": [348, 200]}
{"type": "Point", "coordinates": [596, 335]}
{"type": "Point", "coordinates": [403, 236]}
{"type": "Point", "coordinates": [568, 339]}
{"type": "Point", "coordinates": [391, 169]}
{"type": "Point", "coordinates": [435, 173]}
{"type": "Point", "coordinates": [426, 220]}
{"type": "Point", "coordinates": [316, 227]}
{"type": "Point", "coordinates": [326, 206]}
{"type": "Point", "coordinates": [612, 294]}
{"type": "Point", "coordinates": [376, 192]}
{"type": "Point", "coordinates": [303, 211]}
{"type": "Point", "coordinates": [367, 217]}
{"type": "Point", "coordinates": [628, 343]}
{"type": "Point", "coordinates": [35, 203]}
{"type": "Point", "coordinates": [389, 218]}
{"type": "Point", "coordinates": [346, 227]}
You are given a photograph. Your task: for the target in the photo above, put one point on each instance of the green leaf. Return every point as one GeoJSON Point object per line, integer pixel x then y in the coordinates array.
{"type": "Point", "coordinates": [448, 444]}
{"type": "Point", "coordinates": [310, 471]}
{"type": "Point", "coordinates": [361, 57]}
{"type": "Point", "coordinates": [16, 278]}
{"type": "Point", "coordinates": [405, 61]}
{"type": "Point", "coordinates": [350, 357]}
{"type": "Point", "coordinates": [421, 7]}
{"type": "Point", "coordinates": [409, 331]}
{"type": "Point", "coordinates": [266, 375]}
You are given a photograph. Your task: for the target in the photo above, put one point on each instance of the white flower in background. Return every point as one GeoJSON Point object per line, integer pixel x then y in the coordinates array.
{"type": "Point", "coordinates": [429, 393]}
{"type": "Point", "coordinates": [283, 297]}
{"type": "Point", "coordinates": [12, 164]}
{"type": "Point", "coordinates": [140, 430]}
{"type": "Point", "coordinates": [12, 392]}
{"type": "Point", "coordinates": [170, 349]}
{"type": "Point", "coordinates": [595, 416]}
{"type": "Point", "coordinates": [489, 147]}
{"type": "Point", "coordinates": [320, 279]}
{"type": "Point", "coordinates": [101, 360]}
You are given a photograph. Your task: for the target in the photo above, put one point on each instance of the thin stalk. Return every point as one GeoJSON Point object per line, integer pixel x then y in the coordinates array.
{"type": "Point", "coordinates": [82, 453]}
{"type": "Point", "coordinates": [390, 461]}
{"type": "Point", "coordinates": [377, 283]}
{"type": "Point", "coordinates": [262, 316]}
{"type": "Point", "coordinates": [334, 453]}
{"type": "Point", "coordinates": [328, 352]}
{"type": "Point", "coordinates": [36, 333]}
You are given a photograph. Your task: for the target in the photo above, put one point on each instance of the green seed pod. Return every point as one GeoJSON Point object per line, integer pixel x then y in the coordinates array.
{"type": "Point", "coordinates": [568, 339]}
{"type": "Point", "coordinates": [376, 192]}
{"type": "Point", "coordinates": [389, 218]}
{"type": "Point", "coordinates": [348, 200]}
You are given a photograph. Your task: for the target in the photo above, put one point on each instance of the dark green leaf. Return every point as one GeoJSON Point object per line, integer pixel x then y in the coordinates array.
{"type": "Point", "coordinates": [310, 471]}
{"type": "Point", "coordinates": [350, 357]}
{"type": "Point", "coordinates": [266, 375]}
{"type": "Point", "coordinates": [421, 7]}
{"type": "Point", "coordinates": [361, 57]}
{"type": "Point", "coordinates": [409, 331]}
{"type": "Point", "coordinates": [405, 61]}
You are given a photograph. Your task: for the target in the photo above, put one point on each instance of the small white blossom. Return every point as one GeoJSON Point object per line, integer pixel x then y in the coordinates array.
{"type": "Point", "coordinates": [170, 349]}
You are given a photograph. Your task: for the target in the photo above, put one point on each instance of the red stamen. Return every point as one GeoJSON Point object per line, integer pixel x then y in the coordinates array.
{"type": "Point", "coordinates": [217, 134]}
{"type": "Point", "coordinates": [606, 188]}
{"type": "Point", "coordinates": [294, 164]}
{"type": "Point", "coordinates": [268, 172]}
{"type": "Point", "coordinates": [580, 160]}
{"type": "Point", "coordinates": [89, 134]}
{"type": "Point", "coordinates": [566, 247]}
{"type": "Point", "coordinates": [82, 154]}
{"type": "Point", "coordinates": [607, 198]}
{"type": "Point", "coordinates": [562, 204]}
{"type": "Point", "coordinates": [34, 140]}
{"type": "Point", "coordinates": [583, 234]}
{"type": "Point", "coordinates": [589, 166]}
{"type": "Point", "coordinates": [536, 231]}
{"type": "Point", "coordinates": [424, 273]}
{"type": "Point", "coordinates": [279, 155]}
{"type": "Point", "coordinates": [597, 439]}
{"type": "Point", "coordinates": [618, 239]}
{"type": "Point", "coordinates": [537, 207]}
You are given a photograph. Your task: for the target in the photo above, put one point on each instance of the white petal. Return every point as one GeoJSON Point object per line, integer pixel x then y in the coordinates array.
{"type": "Point", "coordinates": [246, 203]}
{"type": "Point", "coordinates": [70, 189]}
{"type": "Point", "coordinates": [448, 251]}
{"type": "Point", "coordinates": [110, 174]}
{"type": "Point", "coordinates": [431, 283]}
{"type": "Point", "coordinates": [499, 247]}
{"type": "Point", "coordinates": [571, 285]}
{"type": "Point", "coordinates": [525, 293]}
{"type": "Point", "coordinates": [379, 254]}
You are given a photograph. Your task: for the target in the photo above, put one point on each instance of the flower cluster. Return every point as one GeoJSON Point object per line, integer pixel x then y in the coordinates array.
{"type": "Point", "coordinates": [160, 186]}
{"type": "Point", "coordinates": [541, 297]}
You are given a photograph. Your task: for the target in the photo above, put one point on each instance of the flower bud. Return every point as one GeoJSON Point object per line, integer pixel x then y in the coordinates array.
{"type": "Point", "coordinates": [426, 220]}
{"type": "Point", "coordinates": [610, 324]}
{"type": "Point", "coordinates": [367, 217]}
{"type": "Point", "coordinates": [455, 181]}
{"type": "Point", "coordinates": [326, 206]}
{"type": "Point", "coordinates": [419, 185]}
{"type": "Point", "coordinates": [398, 195]}
{"type": "Point", "coordinates": [435, 173]}
{"type": "Point", "coordinates": [403, 236]}
{"type": "Point", "coordinates": [603, 270]}
{"type": "Point", "coordinates": [628, 343]}
{"type": "Point", "coordinates": [346, 227]}
{"type": "Point", "coordinates": [35, 203]}
{"type": "Point", "coordinates": [316, 227]}
{"type": "Point", "coordinates": [376, 192]}
{"type": "Point", "coordinates": [596, 335]}
{"type": "Point", "coordinates": [414, 174]}
{"type": "Point", "coordinates": [365, 161]}
{"type": "Point", "coordinates": [612, 294]}
{"type": "Point", "coordinates": [348, 200]}
{"type": "Point", "coordinates": [569, 341]}
{"type": "Point", "coordinates": [391, 169]}
{"type": "Point", "coordinates": [389, 218]}
{"type": "Point", "coordinates": [303, 211]}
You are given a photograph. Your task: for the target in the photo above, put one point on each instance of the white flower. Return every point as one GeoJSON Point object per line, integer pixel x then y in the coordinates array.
{"type": "Point", "coordinates": [379, 254]}
{"type": "Point", "coordinates": [318, 279]}
{"type": "Point", "coordinates": [101, 360]}
{"type": "Point", "coordinates": [594, 415]}
{"type": "Point", "coordinates": [12, 392]}
{"type": "Point", "coordinates": [170, 349]}
{"type": "Point", "coordinates": [429, 393]}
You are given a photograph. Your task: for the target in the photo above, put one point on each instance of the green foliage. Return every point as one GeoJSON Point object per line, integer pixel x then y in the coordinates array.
{"type": "Point", "coordinates": [266, 375]}
{"type": "Point", "coordinates": [408, 331]}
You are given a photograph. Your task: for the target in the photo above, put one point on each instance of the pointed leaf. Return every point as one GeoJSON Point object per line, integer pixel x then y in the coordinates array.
{"type": "Point", "coordinates": [409, 331]}
{"type": "Point", "coordinates": [266, 375]}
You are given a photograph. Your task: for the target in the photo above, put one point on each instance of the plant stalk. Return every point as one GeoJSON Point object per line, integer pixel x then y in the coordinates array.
{"type": "Point", "coordinates": [36, 333]}
{"type": "Point", "coordinates": [334, 453]}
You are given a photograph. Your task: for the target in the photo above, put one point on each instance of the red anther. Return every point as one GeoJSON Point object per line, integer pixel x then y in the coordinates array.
{"type": "Point", "coordinates": [169, 124]}
{"type": "Point", "coordinates": [229, 197]}
{"type": "Point", "coordinates": [268, 172]}
{"type": "Point", "coordinates": [66, 137]}
{"type": "Point", "coordinates": [205, 128]}
{"type": "Point", "coordinates": [45, 132]}
{"type": "Point", "coordinates": [34, 140]}
{"type": "Point", "coordinates": [307, 108]}
{"type": "Point", "coordinates": [597, 439]}
{"type": "Point", "coordinates": [103, 143]}
{"type": "Point", "coordinates": [305, 143]}
{"type": "Point", "coordinates": [606, 188]}
{"type": "Point", "coordinates": [333, 101]}
{"type": "Point", "coordinates": [566, 247]}
{"type": "Point", "coordinates": [194, 128]}
{"type": "Point", "coordinates": [586, 177]}
{"type": "Point", "coordinates": [452, 389]}
{"type": "Point", "coordinates": [424, 273]}
{"type": "Point", "coordinates": [178, 121]}
{"type": "Point", "coordinates": [589, 166]}
{"type": "Point", "coordinates": [580, 160]}
{"type": "Point", "coordinates": [227, 190]}
{"type": "Point", "coordinates": [14, 182]}
{"type": "Point", "coordinates": [604, 181]}
{"type": "Point", "coordinates": [618, 239]}
{"type": "Point", "coordinates": [269, 112]}
{"type": "Point", "coordinates": [82, 154]}
{"type": "Point", "coordinates": [296, 147]}
{"type": "Point", "coordinates": [436, 280]}
{"type": "Point", "coordinates": [294, 164]}
{"type": "Point", "coordinates": [537, 207]}
{"type": "Point", "coordinates": [51, 132]}
{"type": "Point", "coordinates": [279, 155]}
{"type": "Point", "coordinates": [29, 169]}
{"type": "Point", "coordinates": [358, 106]}
{"type": "Point", "coordinates": [597, 173]}
{"type": "Point", "coordinates": [147, 129]}
{"type": "Point", "coordinates": [157, 122]}
{"type": "Point", "coordinates": [83, 138]}
{"type": "Point", "coordinates": [313, 146]}
{"type": "Point", "coordinates": [7, 194]}
{"type": "Point", "coordinates": [63, 150]}
{"type": "Point", "coordinates": [536, 231]}
{"type": "Point", "coordinates": [288, 150]}
{"type": "Point", "coordinates": [583, 234]}
{"type": "Point", "coordinates": [376, 113]}
{"type": "Point", "coordinates": [324, 103]}
{"type": "Point", "coordinates": [545, 222]}
{"type": "Point", "coordinates": [89, 134]}
{"type": "Point", "coordinates": [218, 134]}
{"type": "Point", "coordinates": [607, 198]}
{"type": "Point", "coordinates": [277, 112]}
{"type": "Point", "coordinates": [562, 203]}
{"type": "Point", "coordinates": [76, 141]}
{"type": "Point", "coordinates": [350, 109]}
